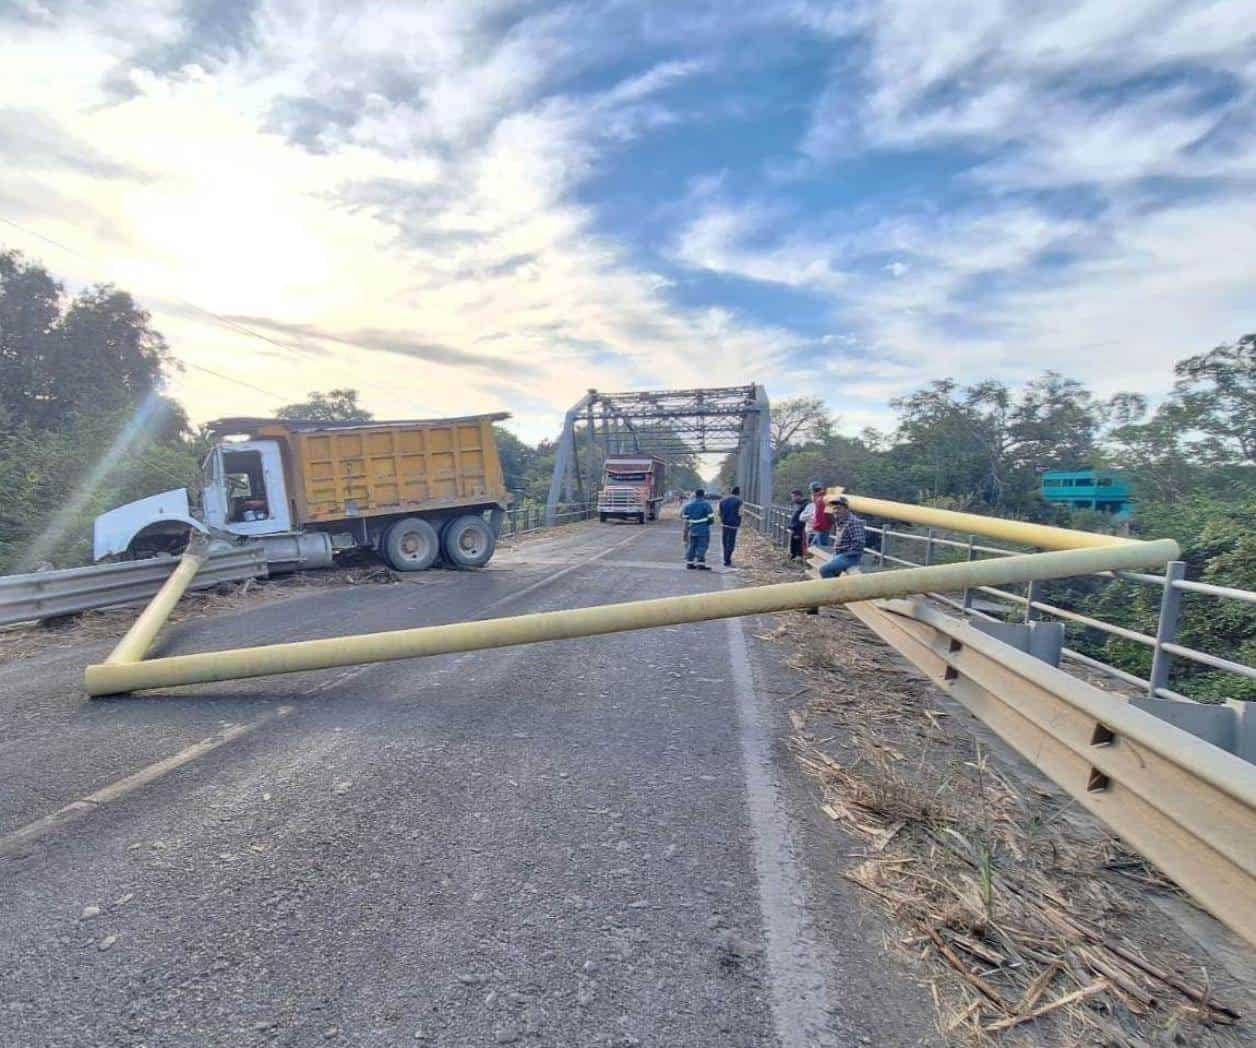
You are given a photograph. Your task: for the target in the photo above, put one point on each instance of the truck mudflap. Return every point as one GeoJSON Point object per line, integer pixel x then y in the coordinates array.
{"type": "Point", "coordinates": [165, 514]}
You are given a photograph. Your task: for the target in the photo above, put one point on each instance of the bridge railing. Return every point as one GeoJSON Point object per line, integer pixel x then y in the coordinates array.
{"type": "Point", "coordinates": [890, 545]}
{"type": "Point", "coordinates": [529, 517]}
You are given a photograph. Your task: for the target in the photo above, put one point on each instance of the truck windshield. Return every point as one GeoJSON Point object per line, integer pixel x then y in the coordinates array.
{"type": "Point", "coordinates": [615, 475]}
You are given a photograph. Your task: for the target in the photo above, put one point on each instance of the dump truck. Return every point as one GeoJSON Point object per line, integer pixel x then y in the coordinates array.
{"type": "Point", "coordinates": [632, 488]}
{"type": "Point", "coordinates": [415, 491]}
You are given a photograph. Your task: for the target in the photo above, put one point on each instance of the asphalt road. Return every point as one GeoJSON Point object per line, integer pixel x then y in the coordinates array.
{"type": "Point", "coordinates": [595, 842]}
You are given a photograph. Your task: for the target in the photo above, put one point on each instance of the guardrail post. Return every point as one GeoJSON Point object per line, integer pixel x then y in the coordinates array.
{"type": "Point", "coordinates": [1031, 595]}
{"type": "Point", "coordinates": [928, 547]}
{"type": "Point", "coordinates": [1167, 627]}
{"type": "Point", "coordinates": [885, 543]}
{"type": "Point", "coordinates": [968, 593]}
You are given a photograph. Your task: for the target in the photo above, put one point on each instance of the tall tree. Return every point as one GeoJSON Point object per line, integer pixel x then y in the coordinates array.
{"type": "Point", "coordinates": [30, 318]}
{"type": "Point", "coordinates": [799, 420]}
{"type": "Point", "coordinates": [1216, 392]}
{"type": "Point", "coordinates": [101, 354]}
{"type": "Point", "coordinates": [336, 405]}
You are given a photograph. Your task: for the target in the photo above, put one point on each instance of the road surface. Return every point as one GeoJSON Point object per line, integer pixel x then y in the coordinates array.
{"type": "Point", "coordinates": [593, 842]}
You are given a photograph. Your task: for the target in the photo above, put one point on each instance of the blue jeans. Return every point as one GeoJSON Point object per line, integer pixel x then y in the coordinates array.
{"type": "Point", "coordinates": [821, 538]}
{"type": "Point", "coordinates": [699, 540]}
{"type": "Point", "coordinates": [840, 563]}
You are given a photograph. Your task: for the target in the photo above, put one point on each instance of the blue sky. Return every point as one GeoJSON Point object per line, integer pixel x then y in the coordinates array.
{"type": "Point", "coordinates": [459, 207]}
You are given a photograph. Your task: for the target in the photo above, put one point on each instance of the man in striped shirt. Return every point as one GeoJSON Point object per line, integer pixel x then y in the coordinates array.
{"type": "Point", "coordinates": [848, 540]}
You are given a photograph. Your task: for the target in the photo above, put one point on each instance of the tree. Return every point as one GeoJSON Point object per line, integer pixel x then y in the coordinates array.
{"type": "Point", "coordinates": [336, 405]}
{"type": "Point", "coordinates": [100, 354]}
{"type": "Point", "coordinates": [30, 315]}
{"type": "Point", "coordinates": [799, 420]}
{"type": "Point", "coordinates": [1216, 392]}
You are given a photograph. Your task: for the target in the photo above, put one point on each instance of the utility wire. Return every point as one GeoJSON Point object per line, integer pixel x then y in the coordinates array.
{"type": "Point", "coordinates": [225, 321]}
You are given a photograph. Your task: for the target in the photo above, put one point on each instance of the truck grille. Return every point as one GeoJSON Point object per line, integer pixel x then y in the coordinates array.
{"type": "Point", "coordinates": [620, 498]}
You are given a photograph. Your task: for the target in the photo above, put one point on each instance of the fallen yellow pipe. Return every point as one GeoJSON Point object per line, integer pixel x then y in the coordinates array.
{"type": "Point", "coordinates": [113, 678]}
{"type": "Point", "coordinates": [1040, 536]}
{"type": "Point", "coordinates": [139, 638]}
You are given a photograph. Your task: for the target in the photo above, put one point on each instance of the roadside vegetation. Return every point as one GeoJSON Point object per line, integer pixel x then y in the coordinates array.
{"type": "Point", "coordinates": [982, 448]}
{"type": "Point", "coordinates": [85, 425]}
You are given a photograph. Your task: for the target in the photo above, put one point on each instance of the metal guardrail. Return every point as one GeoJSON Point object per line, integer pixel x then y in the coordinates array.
{"type": "Point", "coordinates": [521, 520]}
{"type": "Point", "coordinates": [1165, 649]}
{"type": "Point", "coordinates": [1183, 804]}
{"type": "Point", "coordinates": [48, 594]}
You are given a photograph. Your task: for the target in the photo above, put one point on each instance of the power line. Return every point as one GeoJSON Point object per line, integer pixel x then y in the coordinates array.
{"type": "Point", "coordinates": [226, 322]}
{"type": "Point", "coordinates": [237, 381]}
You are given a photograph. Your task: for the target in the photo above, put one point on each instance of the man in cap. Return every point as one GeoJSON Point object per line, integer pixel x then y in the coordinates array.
{"type": "Point", "coordinates": [850, 536]}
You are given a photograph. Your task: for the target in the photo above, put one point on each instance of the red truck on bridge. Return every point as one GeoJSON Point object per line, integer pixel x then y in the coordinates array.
{"type": "Point", "coordinates": [632, 488]}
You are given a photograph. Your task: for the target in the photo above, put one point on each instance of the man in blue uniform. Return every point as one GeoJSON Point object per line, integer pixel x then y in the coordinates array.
{"type": "Point", "coordinates": [699, 516]}
{"type": "Point", "coordinates": [730, 517]}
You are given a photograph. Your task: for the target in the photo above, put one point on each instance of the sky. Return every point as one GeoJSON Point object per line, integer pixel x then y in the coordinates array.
{"type": "Point", "coordinates": [463, 207]}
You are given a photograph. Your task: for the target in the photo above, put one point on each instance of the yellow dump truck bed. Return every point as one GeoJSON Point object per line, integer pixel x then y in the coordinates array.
{"type": "Point", "coordinates": [341, 470]}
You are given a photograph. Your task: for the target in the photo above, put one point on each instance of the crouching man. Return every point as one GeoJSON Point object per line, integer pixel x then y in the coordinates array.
{"type": "Point", "coordinates": [848, 540]}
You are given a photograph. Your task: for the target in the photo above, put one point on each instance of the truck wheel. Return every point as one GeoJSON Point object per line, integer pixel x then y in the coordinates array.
{"type": "Point", "coordinates": [411, 545]}
{"type": "Point", "coordinates": [602, 517]}
{"type": "Point", "coordinates": [469, 542]}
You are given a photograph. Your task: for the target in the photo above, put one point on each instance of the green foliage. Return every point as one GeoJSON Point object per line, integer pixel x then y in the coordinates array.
{"type": "Point", "coordinates": [83, 425]}
{"type": "Point", "coordinates": [336, 405]}
{"type": "Point", "coordinates": [53, 491]}
{"type": "Point", "coordinates": [1218, 546]}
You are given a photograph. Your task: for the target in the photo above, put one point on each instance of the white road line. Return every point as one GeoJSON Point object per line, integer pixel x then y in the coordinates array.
{"type": "Point", "coordinates": [16, 842]}
{"type": "Point", "coordinates": [556, 576]}
{"type": "Point", "coordinates": [797, 961]}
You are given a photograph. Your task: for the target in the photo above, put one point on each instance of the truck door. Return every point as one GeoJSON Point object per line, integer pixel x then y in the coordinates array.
{"type": "Point", "coordinates": [247, 494]}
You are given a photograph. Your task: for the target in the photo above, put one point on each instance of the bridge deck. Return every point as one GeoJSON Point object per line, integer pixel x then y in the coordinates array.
{"type": "Point", "coordinates": [587, 842]}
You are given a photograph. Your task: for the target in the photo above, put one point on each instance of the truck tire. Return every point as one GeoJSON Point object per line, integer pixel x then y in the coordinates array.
{"type": "Point", "coordinates": [602, 517]}
{"type": "Point", "coordinates": [411, 545]}
{"type": "Point", "coordinates": [469, 542]}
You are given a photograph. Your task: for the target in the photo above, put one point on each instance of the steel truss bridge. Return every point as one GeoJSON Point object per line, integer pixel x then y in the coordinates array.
{"type": "Point", "coordinates": [668, 423]}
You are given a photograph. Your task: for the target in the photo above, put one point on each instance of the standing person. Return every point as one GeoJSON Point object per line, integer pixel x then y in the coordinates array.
{"type": "Point", "coordinates": [797, 526]}
{"type": "Point", "coordinates": [699, 516]}
{"type": "Point", "coordinates": [822, 522]}
{"type": "Point", "coordinates": [730, 517]}
{"type": "Point", "coordinates": [850, 538]}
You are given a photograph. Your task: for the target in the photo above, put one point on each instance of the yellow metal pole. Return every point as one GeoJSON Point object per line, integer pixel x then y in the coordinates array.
{"type": "Point", "coordinates": [116, 678]}
{"type": "Point", "coordinates": [1041, 536]}
{"type": "Point", "coordinates": [139, 638]}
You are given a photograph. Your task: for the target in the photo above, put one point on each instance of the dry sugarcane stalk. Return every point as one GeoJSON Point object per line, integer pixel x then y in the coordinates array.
{"type": "Point", "coordinates": [977, 982]}
{"type": "Point", "coordinates": [1096, 987]}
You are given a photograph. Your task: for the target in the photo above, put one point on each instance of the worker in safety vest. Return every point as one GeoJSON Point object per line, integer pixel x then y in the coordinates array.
{"type": "Point", "coordinates": [699, 515]}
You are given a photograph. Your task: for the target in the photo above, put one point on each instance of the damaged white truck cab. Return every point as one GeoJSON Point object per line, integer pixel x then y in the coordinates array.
{"type": "Point", "coordinates": [413, 490]}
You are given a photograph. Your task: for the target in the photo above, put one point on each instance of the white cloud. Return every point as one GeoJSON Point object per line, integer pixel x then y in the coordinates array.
{"type": "Point", "coordinates": [1089, 102]}
{"type": "Point", "coordinates": [392, 168]}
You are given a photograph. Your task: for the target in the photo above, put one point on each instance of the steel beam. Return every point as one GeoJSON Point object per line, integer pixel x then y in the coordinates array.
{"type": "Point", "coordinates": [115, 678]}
{"type": "Point", "coordinates": [563, 454]}
{"type": "Point", "coordinates": [1041, 536]}
{"type": "Point", "coordinates": [139, 638]}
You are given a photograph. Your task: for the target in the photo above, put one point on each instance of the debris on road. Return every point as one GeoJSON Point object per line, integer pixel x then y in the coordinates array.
{"type": "Point", "coordinates": [1029, 919]}
{"type": "Point", "coordinates": [89, 627]}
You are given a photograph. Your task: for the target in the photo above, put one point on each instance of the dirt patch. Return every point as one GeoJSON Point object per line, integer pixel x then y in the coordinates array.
{"type": "Point", "coordinates": [1030, 921]}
